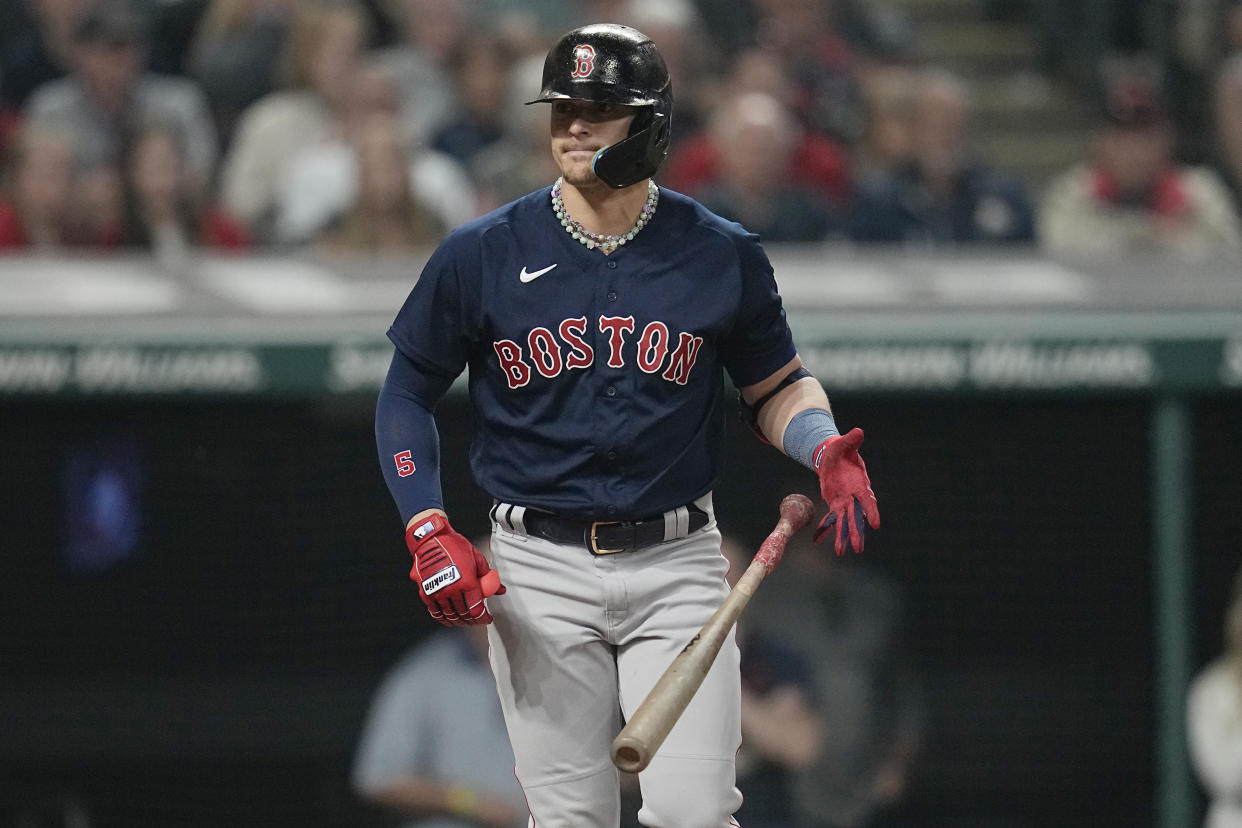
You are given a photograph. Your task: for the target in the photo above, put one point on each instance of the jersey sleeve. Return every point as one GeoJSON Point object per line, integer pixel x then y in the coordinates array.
{"type": "Point", "coordinates": [760, 341]}
{"type": "Point", "coordinates": [439, 322]}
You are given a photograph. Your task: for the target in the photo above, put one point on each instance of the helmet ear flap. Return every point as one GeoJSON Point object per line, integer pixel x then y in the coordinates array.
{"type": "Point", "coordinates": [636, 157]}
{"type": "Point", "coordinates": [642, 120]}
{"type": "Point", "coordinates": [663, 135]}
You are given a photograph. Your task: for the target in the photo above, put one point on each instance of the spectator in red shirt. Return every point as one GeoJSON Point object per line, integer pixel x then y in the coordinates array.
{"type": "Point", "coordinates": [164, 212]}
{"type": "Point", "coordinates": [816, 161]}
{"type": "Point", "coordinates": [756, 184]}
{"type": "Point", "coordinates": [37, 191]}
{"type": "Point", "coordinates": [386, 218]}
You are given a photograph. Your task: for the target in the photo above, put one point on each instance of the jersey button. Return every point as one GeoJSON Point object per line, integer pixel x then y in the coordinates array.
{"type": "Point", "coordinates": [612, 510]}
{"type": "Point", "coordinates": [612, 265]}
{"type": "Point", "coordinates": [611, 391]}
{"type": "Point", "coordinates": [612, 457]}
{"type": "Point", "coordinates": [612, 294]}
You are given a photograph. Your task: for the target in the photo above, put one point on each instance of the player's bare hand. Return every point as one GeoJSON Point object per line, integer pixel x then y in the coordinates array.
{"type": "Point", "coordinates": [845, 487]}
{"type": "Point", "coordinates": [453, 577]}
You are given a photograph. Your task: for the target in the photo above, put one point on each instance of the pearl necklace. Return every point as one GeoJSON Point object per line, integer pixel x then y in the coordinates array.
{"type": "Point", "coordinates": [604, 242]}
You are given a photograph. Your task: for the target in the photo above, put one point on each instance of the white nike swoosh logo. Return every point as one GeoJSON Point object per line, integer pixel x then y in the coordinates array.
{"type": "Point", "coordinates": [530, 277]}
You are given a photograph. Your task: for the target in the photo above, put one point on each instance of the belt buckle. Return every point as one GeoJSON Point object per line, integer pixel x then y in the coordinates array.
{"type": "Point", "coordinates": [593, 543]}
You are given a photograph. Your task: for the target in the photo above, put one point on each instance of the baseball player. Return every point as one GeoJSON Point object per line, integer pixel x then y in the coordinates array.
{"type": "Point", "coordinates": [597, 317]}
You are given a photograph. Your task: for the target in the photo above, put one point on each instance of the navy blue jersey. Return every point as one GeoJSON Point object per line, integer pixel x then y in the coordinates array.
{"type": "Point", "coordinates": [596, 381]}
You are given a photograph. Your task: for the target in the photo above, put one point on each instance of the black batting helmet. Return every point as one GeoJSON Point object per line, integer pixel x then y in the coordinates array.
{"type": "Point", "coordinates": [611, 63]}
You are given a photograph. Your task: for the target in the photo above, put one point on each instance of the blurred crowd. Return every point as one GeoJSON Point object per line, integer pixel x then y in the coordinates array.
{"type": "Point", "coordinates": [372, 127]}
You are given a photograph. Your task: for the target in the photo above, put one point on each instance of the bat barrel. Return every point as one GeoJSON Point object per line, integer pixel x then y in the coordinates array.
{"type": "Point", "coordinates": [646, 730]}
{"type": "Point", "coordinates": [638, 741]}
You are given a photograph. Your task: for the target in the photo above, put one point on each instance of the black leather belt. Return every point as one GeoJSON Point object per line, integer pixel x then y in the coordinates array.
{"type": "Point", "coordinates": [605, 537]}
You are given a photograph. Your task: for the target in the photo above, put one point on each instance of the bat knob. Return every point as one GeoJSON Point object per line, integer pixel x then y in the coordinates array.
{"type": "Point", "coordinates": [489, 583]}
{"type": "Point", "coordinates": [629, 754]}
{"type": "Point", "coordinates": [798, 510]}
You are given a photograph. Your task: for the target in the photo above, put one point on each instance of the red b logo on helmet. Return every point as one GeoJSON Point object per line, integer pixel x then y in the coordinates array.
{"type": "Point", "coordinates": [584, 61]}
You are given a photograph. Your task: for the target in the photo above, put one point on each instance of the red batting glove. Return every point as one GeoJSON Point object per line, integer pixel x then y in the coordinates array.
{"type": "Point", "coordinates": [842, 481]}
{"type": "Point", "coordinates": [448, 571]}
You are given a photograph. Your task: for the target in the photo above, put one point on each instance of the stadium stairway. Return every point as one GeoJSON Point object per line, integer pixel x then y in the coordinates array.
{"type": "Point", "coordinates": [1024, 122]}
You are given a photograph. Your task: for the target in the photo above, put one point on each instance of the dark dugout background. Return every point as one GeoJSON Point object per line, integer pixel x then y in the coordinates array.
{"type": "Point", "coordinates": [217, 672]}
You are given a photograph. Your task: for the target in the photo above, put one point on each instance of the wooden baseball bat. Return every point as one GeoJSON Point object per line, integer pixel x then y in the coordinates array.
{"type": "Point", "coordinates": [646, 730]}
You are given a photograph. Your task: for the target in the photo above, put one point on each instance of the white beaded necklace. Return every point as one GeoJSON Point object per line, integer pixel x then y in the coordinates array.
{"type": "Point", "coordinates": [604, 242]}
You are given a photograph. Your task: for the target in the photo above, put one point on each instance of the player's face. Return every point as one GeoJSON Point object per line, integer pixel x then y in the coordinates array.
{"type": "Point", "coordinates": [582, 128]}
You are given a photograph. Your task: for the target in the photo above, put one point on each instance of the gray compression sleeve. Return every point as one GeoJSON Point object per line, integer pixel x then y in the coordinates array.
{"type": "Point", "coordinates": [806, 430]}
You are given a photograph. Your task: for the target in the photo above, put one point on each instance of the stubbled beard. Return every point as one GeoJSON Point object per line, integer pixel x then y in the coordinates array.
{"type": "Point", "coordinates": [585, 178]}
{"type": "Point", "coordinates": [578, 173]}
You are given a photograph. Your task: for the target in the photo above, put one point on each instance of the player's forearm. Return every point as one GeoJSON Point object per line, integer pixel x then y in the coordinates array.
{"type": "Point", "coordinates": [408, 445]}
{"type": "Point", "coordinates": [780, 397]}
{"type": "Point", "coordinates": [801, 396]}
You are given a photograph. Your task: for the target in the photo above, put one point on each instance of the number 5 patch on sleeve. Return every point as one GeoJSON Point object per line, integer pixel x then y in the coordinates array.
{"type": "Point", "coordinates": [405, 463]}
